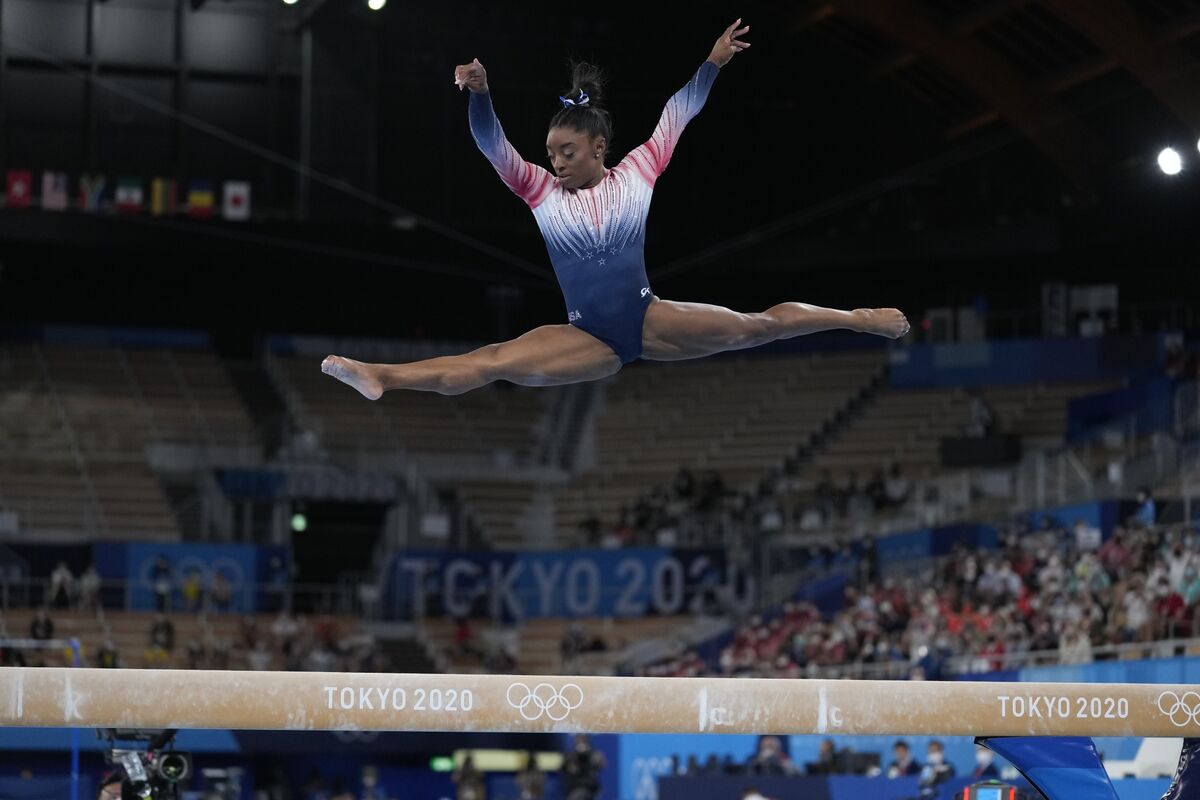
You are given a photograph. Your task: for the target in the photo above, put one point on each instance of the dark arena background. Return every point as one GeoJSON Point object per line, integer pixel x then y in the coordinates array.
{"type": "Point", "coordinates": [205, 198]}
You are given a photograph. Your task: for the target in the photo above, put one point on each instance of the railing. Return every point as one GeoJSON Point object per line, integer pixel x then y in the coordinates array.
{"type": "Point", "coordinates": [116, 595]}
{"type": "Point", "coordinates": [980, 663]}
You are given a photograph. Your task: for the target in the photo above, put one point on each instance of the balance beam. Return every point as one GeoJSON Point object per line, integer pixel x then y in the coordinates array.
{"type": "Point", "coordinates": [130, 698]}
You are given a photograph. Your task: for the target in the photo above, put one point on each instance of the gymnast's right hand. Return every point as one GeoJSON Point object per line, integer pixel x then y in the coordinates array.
{"type": "Point", "coordinates": [472, 75]}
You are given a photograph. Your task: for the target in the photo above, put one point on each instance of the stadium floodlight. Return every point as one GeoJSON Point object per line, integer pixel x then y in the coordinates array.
{"type": "Point", "coordinates": [375, 5]}
{"type": "Point", "coordinates": [289, 2]}
{"type": "Point", "coordinates": [1169, 161]}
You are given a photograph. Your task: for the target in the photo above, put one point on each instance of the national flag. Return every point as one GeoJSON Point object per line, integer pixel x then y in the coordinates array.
{"type": "Point", "coordinates": [163, 197]}
{"type": "Point", "coordinates": [91, 192]}
{"type": "Point", "coordinates": [237, 201]}
{"type": "Point", "coordinates": [200, 199]}
{"type": "Point", "coordinates": [18, 192]}
{"type": "Point", "coordinates": [55, 191]}
{"type": "Point", "coordinates": [128, 196]}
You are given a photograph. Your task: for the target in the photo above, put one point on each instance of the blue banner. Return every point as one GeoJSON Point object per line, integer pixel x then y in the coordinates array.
{"type": "Point", "coordinates": [555, 583]}
{"type": "Point", "coordinates": [255, 574]}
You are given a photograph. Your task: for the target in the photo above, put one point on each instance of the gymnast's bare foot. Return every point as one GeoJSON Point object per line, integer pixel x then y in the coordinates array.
{"type": "Point", "coordinates": [354, 373]}
{"type": "Point", "coordinates": [889, 322]}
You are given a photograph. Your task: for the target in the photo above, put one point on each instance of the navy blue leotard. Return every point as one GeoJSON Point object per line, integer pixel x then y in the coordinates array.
{"type": "Point", "coordinates": [596, 237]}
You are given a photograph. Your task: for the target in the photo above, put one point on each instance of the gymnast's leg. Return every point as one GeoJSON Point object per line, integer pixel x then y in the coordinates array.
{"type": "Point", "coordinates": [673, 331]}
{"type": "Point", "coordinates": [546, 356]}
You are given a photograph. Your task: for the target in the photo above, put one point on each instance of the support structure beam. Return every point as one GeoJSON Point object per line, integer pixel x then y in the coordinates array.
{"type": "Point", "coordinates": [1063, 140]}
{"type": "Point", "coordinates": [101, 698]}
{"type": "Point", "coordinates": [1164, 68]}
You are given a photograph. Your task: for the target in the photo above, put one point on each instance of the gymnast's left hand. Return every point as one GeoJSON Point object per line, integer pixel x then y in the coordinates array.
{"type": "Point", "coordinates": [729, 45]}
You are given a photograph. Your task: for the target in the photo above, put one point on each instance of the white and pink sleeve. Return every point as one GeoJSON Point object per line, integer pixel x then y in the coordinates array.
{"type": "Point", "coordinates": [528, 181]}
{"type": "Point", "coordinates": [652, 157]}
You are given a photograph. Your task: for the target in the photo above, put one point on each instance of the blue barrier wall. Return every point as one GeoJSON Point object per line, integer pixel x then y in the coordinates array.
{"type": "Point", "coordinates": [1021, 361]}
{"type": "Point", "coordinates": [250, 570]}
{"type": "Point", "coordinates": [1146, 406]}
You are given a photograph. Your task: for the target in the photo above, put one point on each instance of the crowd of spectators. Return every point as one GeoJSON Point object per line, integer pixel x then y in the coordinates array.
{"type": "Point", "coordinates": [294, 643]}
{"type": "Point", "coordinates": [1057, 591]}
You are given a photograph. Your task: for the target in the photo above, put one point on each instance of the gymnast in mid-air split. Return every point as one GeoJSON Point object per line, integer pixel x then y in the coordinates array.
{"type": "Point", "coordinates": [593, 219]}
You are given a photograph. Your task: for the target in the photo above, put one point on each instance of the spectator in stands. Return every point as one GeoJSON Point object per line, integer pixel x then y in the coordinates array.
{"type": "Point", "coordinates": [826, 495]}
{"type": "Point", "coordinates": [531, 781]}
{"type": "Point", "coordinates": [1115, 554]}
{"type": "Point", "coordinates": [160, 576]}
{"type": "Point", "coordinates": [770, 759]}
{"type": "Point", "coordinates": [827, 760]}
{"type": "Point", "coordinates": [1135, 603]}
{"type": "Point", "coordinates": [684, 484]}
{"type": "Point", "coordinates": [41, 627]}
{"type": "Point", "coordinates": [1087, 537]}
{"type": "Point", "coordinates": [1168, 609]}
{"type": "Point", "coordinates": [1146, 513]}
{"type": "Point", "coordinates": [581, 770]}
{"type": "Point", "coordinates": [1075, 646]}
{"type": "Point", "coordinates": [903, 762]}
{"type": "Point", "coordinates": [89, 588]}
{"type": "Point", "coordinates": [469, 780]}
{"type": "Point", "coordinates": [107, 657]}
{"type": "Point", "coordinates": [897, 488]}
{"type": "Point", "coordinates": [197, 657]}
{"type": "Point", "coordinates": [258, 658]}
{"type": "Point", "coordinates": [985, 769]}
{"type": "Point", "coordinates": [62, 586]}
{"type": "Point", "coordinates": [1191, 585]}
{"type": "Point", "coordinates": [1179, 559]}
{"type": "Point", "coordinates": [876, 490]}
{"type": "Point", "coordinates": [937, 769]}
{"type": "Point", "coordinates": [589, 529]}
{"type": "Point", "coordinates": [221, 591]}
{"type": "Point", "coordinates": [623, 532]}
{"type": "Point", "coordinates": [193, 590]}
{"type": "Point", "coordinates": [574, 642]}
{"type": "Point", "coordinates": [285, 630]}
{"type": "Point", "coordinates": [162, 641]}
{"type": "Point", "coordinates": [982, 419]}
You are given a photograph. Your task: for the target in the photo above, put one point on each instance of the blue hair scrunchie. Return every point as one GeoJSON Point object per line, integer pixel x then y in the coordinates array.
{"type": "Point", "coordinates": [582, 101]}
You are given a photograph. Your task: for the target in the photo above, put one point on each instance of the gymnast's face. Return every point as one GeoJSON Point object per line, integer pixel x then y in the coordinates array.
{"type": "Point", "coordinates": [576, 158]}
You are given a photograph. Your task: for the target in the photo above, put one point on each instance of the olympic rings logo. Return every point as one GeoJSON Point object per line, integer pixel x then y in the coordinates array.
{"type": "Point", "coordinates": [1182, 711]}
{"type": "Point", "coordinates": [545, 700]}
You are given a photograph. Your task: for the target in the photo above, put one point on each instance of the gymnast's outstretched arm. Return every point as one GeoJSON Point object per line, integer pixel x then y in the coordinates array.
{"type": "Point", "coordinates": [528, 181]}
{"type": "Point", "coordinates": [652, 157]}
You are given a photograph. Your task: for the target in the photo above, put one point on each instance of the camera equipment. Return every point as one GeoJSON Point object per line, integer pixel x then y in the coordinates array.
{"type": "Point", "coordinates": [153, 774]}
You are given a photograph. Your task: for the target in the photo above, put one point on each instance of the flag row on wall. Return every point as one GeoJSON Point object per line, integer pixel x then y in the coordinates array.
{"type": "Point", "coordinates": [94, 194]}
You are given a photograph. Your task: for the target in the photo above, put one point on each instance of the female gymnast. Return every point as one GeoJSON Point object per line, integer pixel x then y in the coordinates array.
{"type": "Point", "coordinates": [593, 219]}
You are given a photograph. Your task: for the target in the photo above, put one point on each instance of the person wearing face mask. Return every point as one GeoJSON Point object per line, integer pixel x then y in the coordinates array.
{"type": "Point", "coordinates": [1168, 608]}
{"type": "Point", "coordinates": [985, 769]}
{"type": "Point", "coordinates": [1190, 592]}
{"type": "Point", "coordinates": [770, 759]}
{"type": "Point", "coordinates": [937, 769]}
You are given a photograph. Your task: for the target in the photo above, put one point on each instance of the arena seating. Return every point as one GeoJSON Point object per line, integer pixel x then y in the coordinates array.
{"type": "Point", "coordinates": [76, 425]}
{"type": "Point", "coordinates": [129, 632]}
{"type": "Point", "coordinates": [540, 641]}
{"type": "Point", "coordinates": [478, 424]}
{"type": "Point", "coordinates": [740, 416]}
{"type": "Point", "coordinates": [906, 426]}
